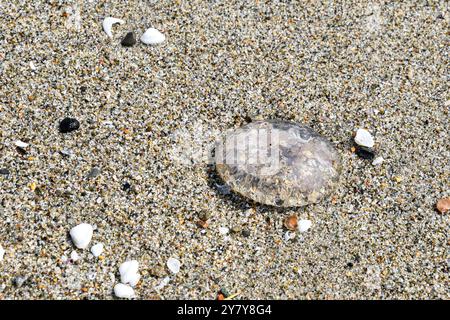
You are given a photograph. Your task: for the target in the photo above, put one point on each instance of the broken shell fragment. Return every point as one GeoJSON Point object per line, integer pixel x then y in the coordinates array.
{"type": "Point", "coordinates": [108, 23]}
{"type": "Point", "coordinates": [153, 36]}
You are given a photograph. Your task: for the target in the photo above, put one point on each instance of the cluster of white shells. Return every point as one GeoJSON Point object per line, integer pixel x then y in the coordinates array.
{"type": "Point", "coordinates": [151, 36]}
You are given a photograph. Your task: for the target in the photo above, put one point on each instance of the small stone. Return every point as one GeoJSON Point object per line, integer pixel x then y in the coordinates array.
{"type": "Point", "coordinates": [153, 36]}
{"type": "Point", "coordinates": [126, 186]}
{"type": "Point", "coordinates": [364, 138]}
{"type": "Point", "coordinates": [82, 235]}
{"type": "Point", "coordinates": [4, 172]}
{"type": "Point", "coordinates": [129, 40]}
{"type": "Point", "coordinates": [246, 233]}
{"type": "Point", "coordinates": [365, 153]}
{"type": "Point", "coordinates": [21, 144]}
{"type": "Point", "coordinates": [278, 163]}
{"type": "Point", "coordinates": [95, 172]}
{"type": "Point", "coordinates": [97, 249]}
{"type": "Point", "coordinates": [173, 265]}
{"type": "Point", "coordinates": [377, 161]}
{"type": "Point", "coordinates": [304, 225]}
{"type": "Point", "coordinates": [68, 125]}
{"type": "Point", "coordinates": [129, 272]}
{"type": "Point", "coordinates": [123, 291]}
{"type": "Point", "coordinates": [291, 223]}
{"type": "Point", "coordinates": [443, 205]}
{"type": "Point", "coordinates": [223, 230]}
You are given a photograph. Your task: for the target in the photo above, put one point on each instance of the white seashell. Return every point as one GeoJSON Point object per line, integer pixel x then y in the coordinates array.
{"type": "Point", "coordinates": [173, 265]}
{"type": "Point", "coordinates": [21, 144]}
{"type": "Point", "coordinates": [223, 230]}
{"type": "Point", "coordinates": [97, 249]}
{"type": "Point", "coordinates": [108, 22]}
{"type": "Point", "coordinates": [304, 225]}
{"type": "Point", "coordinates": [81, 235]}
{"type": "Point", "coordinates": [74, 256]}
{"type": "Point", "coordinates": [2, 253]}
{"type": "Point", "coordinates": [364, 138]}
{"type": "Point", "coordinates": [378, 160]}
{"type": "Point", "coordinates": [32, 66]}
{"type": "Point", "coordinates": [123, 291]}
{"type": "Point", "coordinates": [129, 272]}
{"type": "Point", "coordinates": [152, 36]}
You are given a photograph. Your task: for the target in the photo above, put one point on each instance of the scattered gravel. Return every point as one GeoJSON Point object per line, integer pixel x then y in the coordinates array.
{"type": "Point", "coordinates": [146, 111]}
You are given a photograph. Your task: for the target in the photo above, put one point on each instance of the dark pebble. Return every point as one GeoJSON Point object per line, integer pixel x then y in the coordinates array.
{"type": "Point", "coordinates": [69, 125]}
{"type": "Point", "coordinates": [245, 233]}
{"type": "Point", "coordinates": [129, 40]}
{"type": "Point", "coordinates": [126, 186]}
{"type": "Point", "coordinates": [365, 153]}
{"type": "Point", "coordinates": [4, 172]}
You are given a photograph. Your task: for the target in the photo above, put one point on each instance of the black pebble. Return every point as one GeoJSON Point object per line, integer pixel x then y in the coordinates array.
{"type": "Point", "coordinates": [126, 186]}
{"type": "Point", "coordinates": [129, 40]}
{"type": "Point", "coordinates": [365, 153]}
{"type": "Point", "coordinates": [245, 233]}
{"type": "Point", "coordinates": [4, 172]}
{"type": "Point", "coordinates": [69, 125]}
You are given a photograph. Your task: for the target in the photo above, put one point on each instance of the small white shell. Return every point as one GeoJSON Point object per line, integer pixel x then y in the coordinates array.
{"type": "Point", "coordinates": [129, 272]}
{"type": "Point", "coordinates": [173, 265]}
{"type": "Point", "coordinates": [107, 24]}
{"type": "Point", "coordinates": [81, 235]}
{"type": "Point", "coordinates": [97, 249]}
{"type": "Point", "coordinates": [378, 160]}
{"type": "Point", "coordinates": [304, 225]}
{"type": "Point", "coordinates": [123, 291]}
{"type": "Point", "coordinates": [152, 36]}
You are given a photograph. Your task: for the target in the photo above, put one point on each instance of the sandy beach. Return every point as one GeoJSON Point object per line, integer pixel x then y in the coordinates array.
{"type": "Point", "coordinates": [147, 111]}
